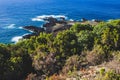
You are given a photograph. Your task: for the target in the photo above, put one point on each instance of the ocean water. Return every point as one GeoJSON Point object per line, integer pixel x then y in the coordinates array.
{"type": "Point", "coordinates": [14, 14]}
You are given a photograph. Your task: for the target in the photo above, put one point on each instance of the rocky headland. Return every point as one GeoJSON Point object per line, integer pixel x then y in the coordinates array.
{"type": "Point", "coordinates": [54, 25]}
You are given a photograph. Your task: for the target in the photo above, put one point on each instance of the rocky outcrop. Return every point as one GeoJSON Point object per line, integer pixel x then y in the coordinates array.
{"type": "Point", "coordinates": [83, 20]}
{"type": "Point", "coordinates": [34, 29]}
{"type": "Point", "coordinates": [51, 25]}
{"type": "Point", "coordinates": [48, 24]}
{"type": "Point", "coordinates": [50, 19]}
{"type": "Point", "coordinates": [96, 20]}
{"type": "Point", "coordinates": [29, 35]}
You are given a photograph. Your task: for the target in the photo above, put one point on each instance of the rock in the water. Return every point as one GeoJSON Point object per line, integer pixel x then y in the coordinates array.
{"type": "Point", "coordinates": [83, 19]}
{"type": "Point", "coordinates": [96, 20]}
{"type": "Point", "coordinates": [34, 29]}
{"type": "Point", "coordinates": [50, 19]}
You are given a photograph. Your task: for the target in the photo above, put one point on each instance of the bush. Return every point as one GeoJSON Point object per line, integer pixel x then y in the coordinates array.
{"type": "Point", "coordinates": [96, 56]}
{"type": "Point", "coordinates": [110, 75]}
{"type": "Point", "coordinates": [72, 64]}
{"type": "Point", "coordinates": [81, 27]}
{"type": "Point", "coordinates": [85, 40]}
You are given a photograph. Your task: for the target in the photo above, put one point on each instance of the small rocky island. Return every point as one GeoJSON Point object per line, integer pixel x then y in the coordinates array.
{"type": "Point", "coordinates": [54, 25]}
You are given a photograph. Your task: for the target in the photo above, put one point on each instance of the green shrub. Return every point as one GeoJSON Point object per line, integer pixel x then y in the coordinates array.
{"type": "Point", "coordinates": [110, 75]}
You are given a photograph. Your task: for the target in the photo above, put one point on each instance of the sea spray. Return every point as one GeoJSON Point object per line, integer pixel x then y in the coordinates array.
{"type": "Point", "coordinates": [40, 18]}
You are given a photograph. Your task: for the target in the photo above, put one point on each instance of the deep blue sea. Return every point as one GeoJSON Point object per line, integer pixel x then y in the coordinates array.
{"type": "Point", "coordinates": [17, 13]}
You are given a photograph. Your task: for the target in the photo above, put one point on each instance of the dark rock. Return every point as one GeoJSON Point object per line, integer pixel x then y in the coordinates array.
{"type": "Point", "coordinates": [34, 29]}
{"type": "Point", "coordinates": [83, 19]}
{"type": "Point", "coordinates": [48, 27]}
{"type": "Point", "coordinates": [48, 24]}
{"type": "Point", "coordinates": [61, 22]}
{"type": "Point", "coordinates": [50, 19]}
{"type": "Point", "coordinates": [62, 18]}
{"type": "Point", "coordinates": [28, 36]}
{"type": "Point", "coordinates": [96, 20]}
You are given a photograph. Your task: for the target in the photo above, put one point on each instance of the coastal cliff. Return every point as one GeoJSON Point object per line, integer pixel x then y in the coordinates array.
{"type": "Point", "coordinates": [82, 51]}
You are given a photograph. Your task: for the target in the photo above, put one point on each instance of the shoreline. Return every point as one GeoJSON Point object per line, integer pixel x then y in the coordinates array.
{"type": "Point", "coordinates": [55, 24]}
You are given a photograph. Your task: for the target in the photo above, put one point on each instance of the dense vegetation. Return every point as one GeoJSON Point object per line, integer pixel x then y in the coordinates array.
{"type": "Point", "coordinates": [48, 56]}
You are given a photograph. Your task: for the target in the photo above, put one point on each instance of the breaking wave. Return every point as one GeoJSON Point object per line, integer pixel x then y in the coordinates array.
{"type": "Point", "coordinates": [40, 18]}
{"type": "Point", "coordinates": [11, 26]}
{"type": "Point", "coordinates": [20, 27]}
{"type": "Point", "coordinates": [16, 39]}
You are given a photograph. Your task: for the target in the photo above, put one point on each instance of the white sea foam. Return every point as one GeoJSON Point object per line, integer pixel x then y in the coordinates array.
{"type": "Point", "coordinates": [11, 26]}
{"type": "Point", "coordinates": [16, 39]}
{"type": "Point", "coordinates": [37, 19]}
{"type": "Point", "coordinates": [28, 30]}
{"type": "Point", "coordinates": [20, 27]}
{"type": "Point", "coordinates": [71, 20]}
{"type": "Point", "coordinates": [40, 18]}
{"type": "Point", "coordinates": [25, 34]}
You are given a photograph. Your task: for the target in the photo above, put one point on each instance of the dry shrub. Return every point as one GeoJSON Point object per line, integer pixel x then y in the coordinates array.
{"type": "Point", "coordinates": [56, 77]}
{"type": "Point", "coordinates": [109, 75]}
{"type": "Point", "coordinates": [72, 63]}
{"type": "Point", "coordinates": [35, 77]}
{"type": "Point", "coordinates": [114, 65]}
{"type": "Point", "coordinates": [116, 55]}
{"type": "Point", "coordinates": [46, 65]}
{"type": "Point", "coordinates": [96, 56]}
{"type": "Point", "coordinates": [31, 76]}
